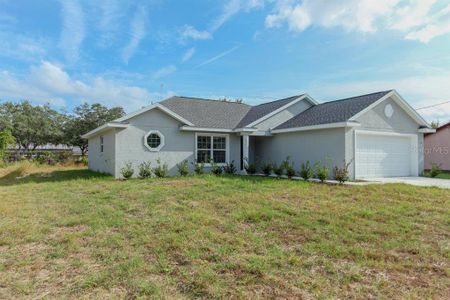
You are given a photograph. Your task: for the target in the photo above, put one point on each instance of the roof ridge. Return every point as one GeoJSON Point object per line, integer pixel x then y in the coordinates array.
{"type": "Point", "coordinates": [206, 99]}
{"type": "Point", "coordinates": [295, 96]}
{"type": "Point", "coordinates": [349, 98]}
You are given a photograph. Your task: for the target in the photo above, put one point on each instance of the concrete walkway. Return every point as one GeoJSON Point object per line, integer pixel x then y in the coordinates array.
{"type": "Point", "coordinates": [420, 181]}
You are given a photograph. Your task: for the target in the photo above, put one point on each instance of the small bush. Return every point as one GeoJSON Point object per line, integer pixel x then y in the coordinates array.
{"type": "Point", "coordinates": [46, 157]}
{"type": "Point", "coordinates": [288, 167]}
{"type": "Point", "coordinates": [161, 170]}
{"type": "Point", "coordinates": [127, 171]}
{"type": "Point", "coordinates": [145, 170]}
{"type": "Point", "coordinates": [230, 168]}
{"type": "Point", "coordinates": [306, 172]}
{"type": "Point", "coordinates": [83, 160]}
{"type": "Point", "coordinates": [199, 168]}
{"type": "Point", "coordinates": [322, 171]}
{"type": "Point", "coordinates": [215, 168]}
{"type": "Point", "coordinates": [341, 174]}
{"type": "Point", "coordinates": [278, 170]}
{"type": "Point", "coordinates": [183, 168]}
{"type": "Point", "coordinates": [435, 170]}
{"type": "Point", "coordinates": [250, 168]}
{"type": "Point", "coordinates": [267, 168]}
{"type": "Point", "coordinates": [64, 156]}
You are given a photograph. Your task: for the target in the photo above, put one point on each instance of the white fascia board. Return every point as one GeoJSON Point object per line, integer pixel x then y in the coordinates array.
{"type": "Point", "coordinates": [401, 102]}
{"type": "Point", "coordinates": [305, 96]}
{"type": "Point", "coordinates": [102, 128]}
{"type": "Point", "coordinates": [153, 106]}
{"type": "Point", "coordinates": [316, 127]}
{"type": "Point", "coordinates": [427, 130]}
{"type": "Point", "coordinates": [245, 129]}
{"type": "Point", "coordinates": [205, 129]}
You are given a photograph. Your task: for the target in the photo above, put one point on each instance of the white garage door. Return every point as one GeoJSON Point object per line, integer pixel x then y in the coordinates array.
{"type": "Point", "coordinates": [385, 155]}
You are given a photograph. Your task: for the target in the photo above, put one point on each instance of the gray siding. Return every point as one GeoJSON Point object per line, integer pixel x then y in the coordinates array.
{"type": "Point", "coordinates": [284, 115]}
{"type": "Point", "coordinates": [103, 162]}
{"type": "Point", "coordinates": [376, 120]}
{"type": "Point", "coordinates": [179, 145]}
{"type": "Point", "coordinates": [302, 146]}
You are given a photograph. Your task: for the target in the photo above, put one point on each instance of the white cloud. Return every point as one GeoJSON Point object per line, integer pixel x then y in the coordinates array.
{"type": "Point", "coordinates": [188, 55]}
{"type": "Point", "coordinates": [416, 18]}
{"type": "Point", "coordinates": [164, 71]}
{"type": "Point", "coordinates": [217, 57]}
{"type": "Point", "coordinates": [137, 33]}
{"type": "Point", "coordinates": [24, 48]}
{"type": "Point", "coordinates": [109, 21]}
{"type": "Point", "coordinates": [73, 30]}
{"type": "Point", "coordinates": [190, 32]}
{"type": "Point", "coordinates": [48, 82]}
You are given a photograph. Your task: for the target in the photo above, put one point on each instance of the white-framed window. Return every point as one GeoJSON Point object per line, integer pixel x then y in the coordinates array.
{"type": "Point", "coordinates": [101, 144]}
{"type": "Point", "coordinates": [211, 147]}
{"type": "Point", "coordinates": [154, 140]}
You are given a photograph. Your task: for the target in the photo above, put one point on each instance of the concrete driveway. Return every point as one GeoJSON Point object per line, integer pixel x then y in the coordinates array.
{"type": "Point", "coordinates": [420, 181]}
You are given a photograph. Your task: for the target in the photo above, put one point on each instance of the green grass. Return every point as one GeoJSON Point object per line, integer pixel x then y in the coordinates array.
{"type": "Point", "coordinates": [443, 175]}
{"type": "Point", "coordinates": [71, 233]}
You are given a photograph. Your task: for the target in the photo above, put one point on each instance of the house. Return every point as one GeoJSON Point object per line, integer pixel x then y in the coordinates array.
{"type": "Point", "coordinates": [379, 134]}
{"type": "Point", "coordinates": [437, 148]}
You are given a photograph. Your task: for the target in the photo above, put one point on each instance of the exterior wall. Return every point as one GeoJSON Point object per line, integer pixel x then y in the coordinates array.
{"type": "Point", "coordinates": [302, 146]}
{"type": "Point", "coordinates": [179, 145]}
{"type": "Point", "coordinates": [284, 115]}
{"type": "Point", "coordinates": [376, 120]}
{"type": "Point", "coordinates": [102, 161]}
{"type": "Point", "coordinates": [437, 149]}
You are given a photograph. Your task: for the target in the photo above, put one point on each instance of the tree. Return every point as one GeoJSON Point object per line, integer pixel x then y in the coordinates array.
{"type": "Point", "coordinates": [32, 126]}
{"type": "Point", "coordinates": [6, 139]}
{"type": "Point", "coordinates": [435, 124]}
{"type": "Point", "coordinates": [86, 118]}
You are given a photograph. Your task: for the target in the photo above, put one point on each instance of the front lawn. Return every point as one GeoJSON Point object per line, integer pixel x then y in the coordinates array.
{"type": "Point", "coordinates": [71, 233]}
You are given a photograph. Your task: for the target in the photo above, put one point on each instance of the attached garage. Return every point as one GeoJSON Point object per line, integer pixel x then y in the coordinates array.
{"type": "Point", "coordinates": [379, 154]}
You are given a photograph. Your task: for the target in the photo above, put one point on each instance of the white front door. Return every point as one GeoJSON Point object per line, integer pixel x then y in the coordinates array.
{"type": "Point", "coordinates": [378, 155]}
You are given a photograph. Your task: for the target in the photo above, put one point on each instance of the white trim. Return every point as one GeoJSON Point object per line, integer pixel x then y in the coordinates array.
{"type": "Point", "coordinates": [427, 130]}
{"type": "Point", "coordinates": [103, 128]}
{"type": "Point", "coordinates": [414, 146]}
{"type": "Point", "coordinates": [162, 142]}
{"type": "Point", "coordinates": [208, 129]}
{"type": "Point", "coordinates": [227, 147]}
{"type": "Point", "coordinates": [316, 127]}
{"type": "Point", "coordinates": [400, 101]}
{"type": "Point", "coordinates": [265, 117]}
{"type": "Point", "coordinates": [150, 107]}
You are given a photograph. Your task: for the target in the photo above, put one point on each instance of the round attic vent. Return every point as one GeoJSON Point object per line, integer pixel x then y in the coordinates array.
{"type": "Point", "coordinates": [388, 110]}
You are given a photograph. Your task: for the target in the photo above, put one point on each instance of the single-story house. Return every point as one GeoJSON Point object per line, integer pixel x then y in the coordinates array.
{"type": "Point", "coordinates": [437, 148]}
{"type": "Point", "coordinates": [380, 134]}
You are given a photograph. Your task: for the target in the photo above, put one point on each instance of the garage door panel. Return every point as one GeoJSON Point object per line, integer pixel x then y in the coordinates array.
{"type": "Point", "coordinates": [383, 155]}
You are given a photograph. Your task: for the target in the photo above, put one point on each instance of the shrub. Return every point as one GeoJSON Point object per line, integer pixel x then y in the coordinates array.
{"type": "Point", "coordinates": [230, 168]}
{"type": "Point", "coordinates": [306, 172]}
{"type": "Point", "coordinates": [145, 170]}
{"type": "Point", "coordinates": [435, 170]}
{"type": "Point", "coordinates": [46, 157]}
{"type": "Point", "coordinates": [83, 160]}
{"type": "Point", "coordinates": [183, 168]}
{"type": "Point", "coordinates": [322, 171]}
{"type": "Point", "coordinates": [161, 170]}
{"type": "Point", "coordinates": [215, 168]}
{"type": "Point", "coordinates": [289, 167]}
{"type": "Point", "coordinates": [127, 171]}
{"type": "Point", "coordinates": [341, 174]}
{"type": "Point", "coordinates": [63, 156]}
{"type": "Point", "coordinates": [199, 168]}
{"type": "Point", "coordinates": [278, 170]}
{"type": "Point", "coordinates": [267, 168]}
{"type": "Point", "coordinates": [250, 168]}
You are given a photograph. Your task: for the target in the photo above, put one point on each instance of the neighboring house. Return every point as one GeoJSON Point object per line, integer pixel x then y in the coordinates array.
{"type": "Point", "coordinates": [379, 133]}
{"type": "Point", "coordinates": [437, 148]}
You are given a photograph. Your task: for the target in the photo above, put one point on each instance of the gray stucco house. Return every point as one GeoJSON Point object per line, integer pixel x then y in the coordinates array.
{"type": "Point", "coordinates": [379, 133]}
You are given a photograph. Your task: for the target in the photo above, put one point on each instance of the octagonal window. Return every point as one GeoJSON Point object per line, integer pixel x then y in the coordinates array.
{"type": "Point", "coordinates": [154, 140]}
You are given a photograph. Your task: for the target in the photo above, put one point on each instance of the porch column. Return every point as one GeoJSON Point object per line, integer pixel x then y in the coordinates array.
{"type": "Point", "coordinates": [245, 152]}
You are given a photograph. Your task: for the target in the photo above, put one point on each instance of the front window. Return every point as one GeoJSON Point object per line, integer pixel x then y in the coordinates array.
{"type": "Point", "coordinates": [211, 147]}
{"type": "Point", "coordinates": [101, 144]}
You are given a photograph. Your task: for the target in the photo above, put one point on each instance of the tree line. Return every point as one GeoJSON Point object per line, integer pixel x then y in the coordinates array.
{"type": "Point", "coordinates": [29, 126]}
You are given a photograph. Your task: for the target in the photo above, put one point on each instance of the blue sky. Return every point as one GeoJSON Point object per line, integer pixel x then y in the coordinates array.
{"type": "Point", "coordinates": [131, 53]}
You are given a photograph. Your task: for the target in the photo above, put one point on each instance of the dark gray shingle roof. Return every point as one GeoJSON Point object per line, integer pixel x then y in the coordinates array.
{"type": "Point", "coordinates": [259, 111]}
{"type": "Point", "coordinates": [332, 112]}
{"type": "Point", "coordinates": [208, 113]}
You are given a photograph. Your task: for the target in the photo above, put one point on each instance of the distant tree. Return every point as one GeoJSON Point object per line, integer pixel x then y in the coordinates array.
{"type": "Point", "coordinates": [6, 139]}
{"type": "Point", "coordinates": [32, 126]}
{"type": "Point", "coordinates": [435, 124]}
{"type": "Point", "coordinates": [86, 118]}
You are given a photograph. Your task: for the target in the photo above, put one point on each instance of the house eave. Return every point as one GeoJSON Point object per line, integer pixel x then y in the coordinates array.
{"type": "Point", "coordinates": [208, 129]}
{"type": "Point", "coordinates": [317, 127]}
{"type": "Point", "coordinates": [427, 130]}
{"type": "Point", "coordinates": [103, 128]}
